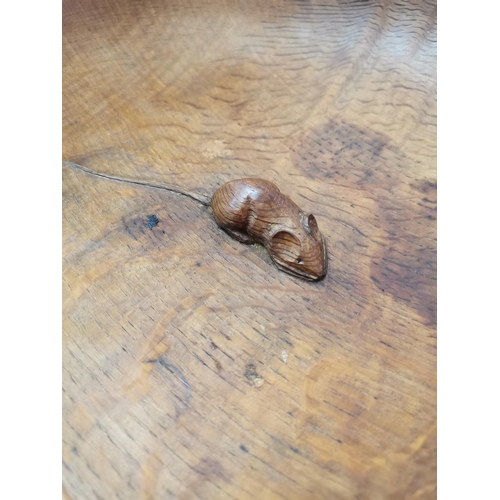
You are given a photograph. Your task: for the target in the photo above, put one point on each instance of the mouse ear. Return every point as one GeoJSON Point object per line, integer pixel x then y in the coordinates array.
{"type": "Point", "coordinates": [286, 245]}
{"type": "Point", "coordinates": [311, 226]}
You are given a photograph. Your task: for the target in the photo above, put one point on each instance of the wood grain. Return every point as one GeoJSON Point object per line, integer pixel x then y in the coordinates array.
{"type": "Point", "coordinates": [192, 367]}
{"type": "Point", "coordinates": [256, 211]}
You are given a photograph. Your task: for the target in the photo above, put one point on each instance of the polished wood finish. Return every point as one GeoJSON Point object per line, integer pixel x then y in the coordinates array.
{"type": "Point", "coordinates": [256, 210]}
{"type": "Point", "coordinates": [192, 367]}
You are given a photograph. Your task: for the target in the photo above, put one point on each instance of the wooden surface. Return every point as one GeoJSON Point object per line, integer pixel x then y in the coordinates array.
{"type": "Point", "coordinates": [192, 367]}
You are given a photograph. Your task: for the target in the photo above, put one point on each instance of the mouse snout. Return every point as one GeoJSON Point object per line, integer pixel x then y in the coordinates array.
{"type": "Point", "coordinates": [315, 260]}
{"type": "Point", "coordinates": [317, 268]}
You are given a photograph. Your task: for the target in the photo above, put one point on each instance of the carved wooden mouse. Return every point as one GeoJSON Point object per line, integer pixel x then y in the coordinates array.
{"type": "Point", "coordinates": [255, 210]}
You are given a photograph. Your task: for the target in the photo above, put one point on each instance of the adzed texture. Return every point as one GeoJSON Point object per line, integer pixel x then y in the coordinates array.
{"type": "Point", "coordinates": [193, 368]}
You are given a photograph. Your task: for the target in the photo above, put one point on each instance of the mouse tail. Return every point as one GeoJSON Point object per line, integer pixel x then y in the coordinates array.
{"type": "Point", "coordinates": [203, 199]}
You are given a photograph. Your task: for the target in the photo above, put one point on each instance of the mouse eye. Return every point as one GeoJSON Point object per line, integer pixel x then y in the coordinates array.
{"type": "Point", "coordinates": [299, 260]}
